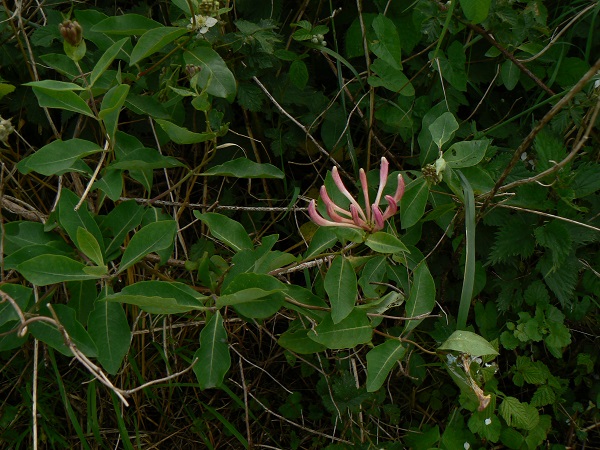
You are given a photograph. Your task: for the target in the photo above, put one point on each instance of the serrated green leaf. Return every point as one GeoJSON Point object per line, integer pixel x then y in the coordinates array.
{"type": "Point", "coordinates": [562, 282]}
{"type": "Point", "coordinates": [514, 238]}
{"type": "Point", "coordinates": [512, 411]}
{"type": "Point", "coordinates": [245, 168]}
{"type": "Point", "coordinates": [58, 157]}
{"type": "Point", "coordinates": [340, 285]}
{"type": "Point", "coordinates": [181, 135]}
{"type": "Point", "coordinates": [381, 360]}
{"type": "Point", "coordinates": [557, 238]}
{"type": "Point", "coordinates": [544, 395]}
{"type": "Point", "coordinates": [151, 238]}
{"type": "Point", "coordinates": [227, 230]}
{"type": "Point", "coordinates": [153, 40]}
{"type": "Point", "coordinates": [213, 355]}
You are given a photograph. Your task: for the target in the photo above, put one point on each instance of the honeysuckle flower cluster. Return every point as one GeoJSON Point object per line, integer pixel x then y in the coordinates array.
{"type": "Point", "coordinates": [201, 23]}
{"type": "Point", "coordinates": [371, 218]}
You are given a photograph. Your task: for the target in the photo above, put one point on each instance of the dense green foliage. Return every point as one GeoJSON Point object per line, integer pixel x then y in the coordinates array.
{"type": "Point", "coordinates": [162, 283]}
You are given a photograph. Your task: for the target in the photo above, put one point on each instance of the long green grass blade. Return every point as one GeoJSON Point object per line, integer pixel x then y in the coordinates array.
{"type": "Point", "coordinates": [469, 275]}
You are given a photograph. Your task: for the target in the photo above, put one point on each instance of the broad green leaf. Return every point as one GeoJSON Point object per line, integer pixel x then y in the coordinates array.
{"type": "Point", "coordinates": [12, 260]}
{"type": "Point", "coordinates": [58, 157]}
{"type": "Point", "coordinates": [22, 296]}
{"type": "Point", "coordinates": [245, 168]}
{"type": "Point", "coordinates": [373, 272]}
{"type": "Point", "coordinates": [121, 220]}
{"type": "Point", "coordinates": [443, 128]}
{"type": "Point", "coordinates": [390, 78]}
{"type": "Point", "coordinates": [6, 89]}
{"type": "Point", "coordinates": [151, 238]}
{"type": "Point", "coordinates": [144, 159]}
{"type": "Point", "coordinates": [254, 295]}
{"type": "Point", "coordinates": [323, 239]}
{"type": "Point", "coordinates": [466, 153]}
{"type": "Point", "coordinates": [181, 135]}
{"type": "Point", "coordinates": [476, 10]}
{"type": "Point", "coordinates": [412, 205]}
{"type": "Point", "coordinates": [340, 285]}
{"type": "Point", "coordinates": [109, 329]}
{"type": "Point", "coordinates": [452, 68]}
{"type": "Point", "coordinates": [60, 95]}
{"type": "Point", "coordinates": [354, 330]}
{"type": "Point", "coordinates": [387, 42]}
{"type": "Point", "coordinates": [298, 74]}
{"type": "Point", "coordinates": [383, 242]}
{"type": "Point", "coordinates": [215, 76]}
{"type": "Point", "coordinates": [422, 296]}
{"type": "Point", "coordinates": [111, 106]}
{"type": "Point", "coordinates": [160, 297]}
{"type": "Point", "coordinates": [88, 244]}
{"type": "Point", "coordinates": [213, 355]}
{"type": "Point", "coordinates": [147, 106]}
{"type": "Point", "coordinates": [514, 412]}
{"type": "Point", "coordinates": [429, 151]}
{"type": "Point", "coordinates": [468, 342]}
{"type": "Point", "coordinates": [21, 234]}
{"type": "Point", "coordinates": [49, 269]}
{"type": "Point", "coordinates": [62, 64]}
{"type": "Point", "coordinates": [111, 184]}
{"type": "Point", "coordinates": [510, 74]}
{"type": "Point", "coordinates": [154, 40]}
{"type": "Point", "coordinates": [381, 360]}
{"type": "Point", "coordinates": [127, 24]}
{"type": "Point", "coordinates": [71, 220]}
{"type": "Point", "coordinates": [297, 341]}
{"type": "Point", "coordinates": [226, 230]}
{"type": "Point", "coordinates": [107, 58]}
{"type": "Point", "coordinates": [82, 295]}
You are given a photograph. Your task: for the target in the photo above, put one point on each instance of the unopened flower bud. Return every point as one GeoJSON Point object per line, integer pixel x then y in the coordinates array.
{"type": "Point", "coordinates": [6, 129]}
{"type": "Point", "coordinates": [320, 37]}
{"type": "Point", "coordinates": [314, 40]}
{"type": "Point", "coordinates": [72, 32]}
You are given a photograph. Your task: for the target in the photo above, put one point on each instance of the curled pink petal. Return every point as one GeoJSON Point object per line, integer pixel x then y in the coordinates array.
{"type": "Point", "coordinates": [400, 189]}
{"type": "Point", "coordinates": [365, 188]}
{"type": "Point", "coordinates": [329, 204]}
{"type": "Point", "coordinates": [335, 216]}
{"type": "Point", "coordinates": [319, 220]}
{"type": "Point", "coordinates": [357, 220]}
{"type": "Point", "coordinates": [378, 218]}
{"type": "Point", "coordinates": [391, 209]}
{"type": "Point", "coordinates": [340, 185]}
{"type": "Point", "coordinates": [383, 174]}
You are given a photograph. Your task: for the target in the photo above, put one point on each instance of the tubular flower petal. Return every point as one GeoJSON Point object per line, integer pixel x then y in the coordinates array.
{"type": "Point", "coordinates": [391, 209]}
{"type": "Point", "coordinates": [383, 173]}
{"type": "Point", "coordinates": [357, 219]}
{"type": "Point", "coordinates": [400, 189]}
{"type": "Point", "coordinates": [365, 188]}
{"type": "Point", "coordinates": [340, 185]}
{"type": "Point", "coordinates": [328, 202]}
{"type": "Point", "coordinates": [316, 217]}
{"type": "Point", "coordinates": [378, 218]}
{"type": "Point", "coordinates": [335, 216]}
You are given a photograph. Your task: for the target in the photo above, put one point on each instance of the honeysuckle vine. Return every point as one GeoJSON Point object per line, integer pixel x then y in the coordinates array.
{"type": "Point", "coordinates": [371, 218]}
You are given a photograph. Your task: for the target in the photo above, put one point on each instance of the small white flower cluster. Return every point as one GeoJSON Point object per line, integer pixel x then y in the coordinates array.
{"type": "Point", "coordinates": [6, 129]}
{"type": "Point", "coordinates": [201, 23]}
{"type": "Point", "coordinates": [318, 39]}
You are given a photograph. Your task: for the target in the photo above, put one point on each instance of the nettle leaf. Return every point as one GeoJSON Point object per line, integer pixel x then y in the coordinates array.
{"type": "Point", "coordinates": [213, 355]}
{"type": "Point", "coordinates": [476, 10]}
{"type": "Point", "coordinates": [557, 238]}
{"type": "Point", "coordinates": [215, 76]}
{"type": "Point", "coordinates": [443, 129]}
{"type": "Point", "coordinates": [387, 42]}
{"type": "Point", "coordinates": [226, 230]}
{"type": "Point", "coordinates": [561, 281]}
{"type": "Point", "coordinates": [452, 67]}
{"type": "Point", "coordinates": [544, 395]}
{"type": "Point", "coordinates": [549, 150]}
{"type": "Point", "coordinates": [421, 298]}
{"type": "Point", "coordinates": [533, 372]}
{"type": "Point", "coordinates": [466, 153]}
{"type": "Point", "coordinates": [468, 342]}
{"type": "Point", "coordinates": [586, 180]}
{"type": "Point", "coordinates": [536, 294]}
{"type": "Point", "coordinates": [109, 329]}
{"type": "Point", "coordinates": [58, 157]}
{"type": "Point", "coordinates": [512, 411]}
{"type": "Point", "coordinates": [298, 74]}
{"type": "Point", "coordinates": [154, 40]}
{"type": "Point", "coordinates": [354, 330]}
{"type": "Point", "coordinates": [245, 168]}
{"type": "Point", "coordinates": [514, 238]}
{"type": "Point", "coordinates": [151, 238]}
{"type": "Point", "coordinates": [340, 285]}
{"type": "Point", "coordinates": [181, 135]}
{"type": "Point", "coordinates": [381, 360]}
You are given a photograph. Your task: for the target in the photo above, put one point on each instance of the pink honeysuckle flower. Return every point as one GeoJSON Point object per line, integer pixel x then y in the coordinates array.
{"type": "Point", "coordinates": [370, 219]}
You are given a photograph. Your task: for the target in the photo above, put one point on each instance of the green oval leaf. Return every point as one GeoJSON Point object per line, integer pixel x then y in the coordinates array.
{"type": "Point", "coordinates": [245, 168]}
{"type": "Point", "coordinates": [58, 157]}
{"type": "Point", "coordinates": [476, 10]}
{"type": "Point", "coordinates": [381, 360]}
{"type": "Point", "coordinates": [412, 205]}
{"type": "Point", "coordinates": [442, 129]}
{"type": "Point", "coordinates": [153, 237]}
{"type": "Point", "coordinates": [153, 40]}
{"type": "Point", "coordinates": [215, 76]}
{"type": "Point", "coordinates": [340, 285]}
{"type": "Point", "coordinates": [422, 296]}
{"type": "Point", "coordinates": [227, 230]}
{"type": "Point", "coordinates": [354, 330]}
{"type": "Point", "coordinates": [468, 342]}
{"type": "Point", "coordinates": [387, 44]}
{"type": "Point", "coordinates": [127, 24]}
{"type": "Point", "coordinates": [466, 153]}
{"type": "Point", "coordinates": [181, 135]}
{"type": "Point", "coordinates": [49, 269]}
{"type": "Point", "coordinates": [109, 329]}
{"type": "Point", "coordinates": [383, 242]}
{"type": "Point", "coordinates": [88, 244]}
{"type": "Point", "coordinates": [106, 59]}
{"type": "Point", "coordinates": [213, 355]}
